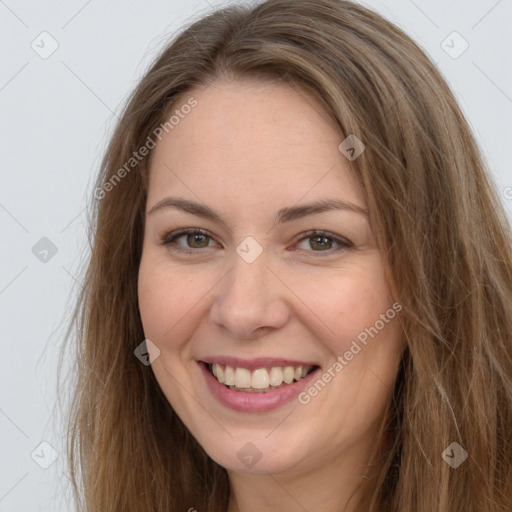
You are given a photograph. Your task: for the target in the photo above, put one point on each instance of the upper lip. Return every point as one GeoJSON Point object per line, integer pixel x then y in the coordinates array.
{"type": "Point", "coordinates": [254, 364]}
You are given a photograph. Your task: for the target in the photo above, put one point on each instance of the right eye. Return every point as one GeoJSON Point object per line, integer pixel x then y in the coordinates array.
{"type": "Point", "coordinates": [195, 238]}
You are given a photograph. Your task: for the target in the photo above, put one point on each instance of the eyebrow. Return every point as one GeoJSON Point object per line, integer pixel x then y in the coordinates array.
{"type": "Point", "coordinates": [287, 214]}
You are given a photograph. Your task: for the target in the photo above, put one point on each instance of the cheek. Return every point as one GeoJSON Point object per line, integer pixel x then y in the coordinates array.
{"type": "Point", "coordinates": [346, 302]}
{"type": "Point", "coordinates": [163, 302]}
{"type": "Point", "coordinates": [172, 303]}
{"type": "Point", "coordinates": [163, 306]}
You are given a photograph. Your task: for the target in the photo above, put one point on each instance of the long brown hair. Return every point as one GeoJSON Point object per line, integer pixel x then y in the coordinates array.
{"type": "Point", "coordinates": [442, 232]}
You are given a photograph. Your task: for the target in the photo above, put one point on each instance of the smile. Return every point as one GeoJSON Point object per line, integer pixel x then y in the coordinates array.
{"type": "Point", "coordinates": [260, 380]}
{"type": "Point", "coordinates": [259, 389]}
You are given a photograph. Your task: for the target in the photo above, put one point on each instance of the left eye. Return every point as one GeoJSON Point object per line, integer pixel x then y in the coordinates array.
{"type": "Point", "coordinates": [321, 241]}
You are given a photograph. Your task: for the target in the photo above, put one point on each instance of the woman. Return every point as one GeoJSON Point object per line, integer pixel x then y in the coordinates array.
{"type": "Point", "coordinates": [300, 289]}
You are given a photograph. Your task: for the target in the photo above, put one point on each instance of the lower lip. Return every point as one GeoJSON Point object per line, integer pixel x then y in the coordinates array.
{"type": "Point", "coordinates": [254, 402]}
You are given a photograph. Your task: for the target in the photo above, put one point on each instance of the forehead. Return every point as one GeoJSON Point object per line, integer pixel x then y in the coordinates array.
{"type": "Point", "coordinates": [259, 140]}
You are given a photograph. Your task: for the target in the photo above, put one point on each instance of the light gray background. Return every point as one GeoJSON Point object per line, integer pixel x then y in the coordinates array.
{"type": "Point", "coordinates": [56, 117]}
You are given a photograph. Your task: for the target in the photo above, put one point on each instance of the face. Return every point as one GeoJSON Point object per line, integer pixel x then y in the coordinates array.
{"type": "Point", "coordinates": [243, 273]}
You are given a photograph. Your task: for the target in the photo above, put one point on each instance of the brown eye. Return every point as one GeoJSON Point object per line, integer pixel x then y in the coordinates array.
{"type": "Point", "coordinates": [197, 240]}
{"type": "Point", "coordinates": [320, 242]}
{"type": "Point", "coordinates": [323, 242]}
{"type": "Point", "coordinates": [194, 239]}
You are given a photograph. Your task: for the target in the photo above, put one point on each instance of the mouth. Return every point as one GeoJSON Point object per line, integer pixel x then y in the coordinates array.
{"type": "Point", "coordinates": [258, 380]}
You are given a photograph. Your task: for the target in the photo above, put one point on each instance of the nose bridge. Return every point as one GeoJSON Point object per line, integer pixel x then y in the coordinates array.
{"type": "Point", "coordinates": [250, 297]}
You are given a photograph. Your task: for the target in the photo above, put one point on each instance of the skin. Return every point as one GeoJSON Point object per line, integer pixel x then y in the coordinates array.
{"type": "Point", "coordinates": [246, 150]}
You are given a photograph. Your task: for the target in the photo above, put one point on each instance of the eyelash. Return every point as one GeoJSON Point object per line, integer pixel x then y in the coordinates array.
{"type": "Point", "coordinates": [169, 239]}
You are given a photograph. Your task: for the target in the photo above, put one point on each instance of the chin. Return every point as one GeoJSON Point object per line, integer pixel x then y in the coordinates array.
{"type": "Point", "coordinates": [253, 453]}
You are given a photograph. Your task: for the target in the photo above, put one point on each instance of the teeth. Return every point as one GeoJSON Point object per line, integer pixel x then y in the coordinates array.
{"type": "Point", "coordinates": [276, 376]}
{"type": "Point", "coordinates": [242, 378]}
{"type": "Point", "coordinates": [218, 372]}
{"type": "Point", "coordinates": [262, 379]}
{"type": "Point", "coordinates": [229, 376]}
{"type": "Point", "coordinates": [288, 374]}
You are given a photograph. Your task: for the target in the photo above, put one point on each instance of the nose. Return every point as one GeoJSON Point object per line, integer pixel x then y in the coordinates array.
{"type": "Point", "coordinates": [250, 301]}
